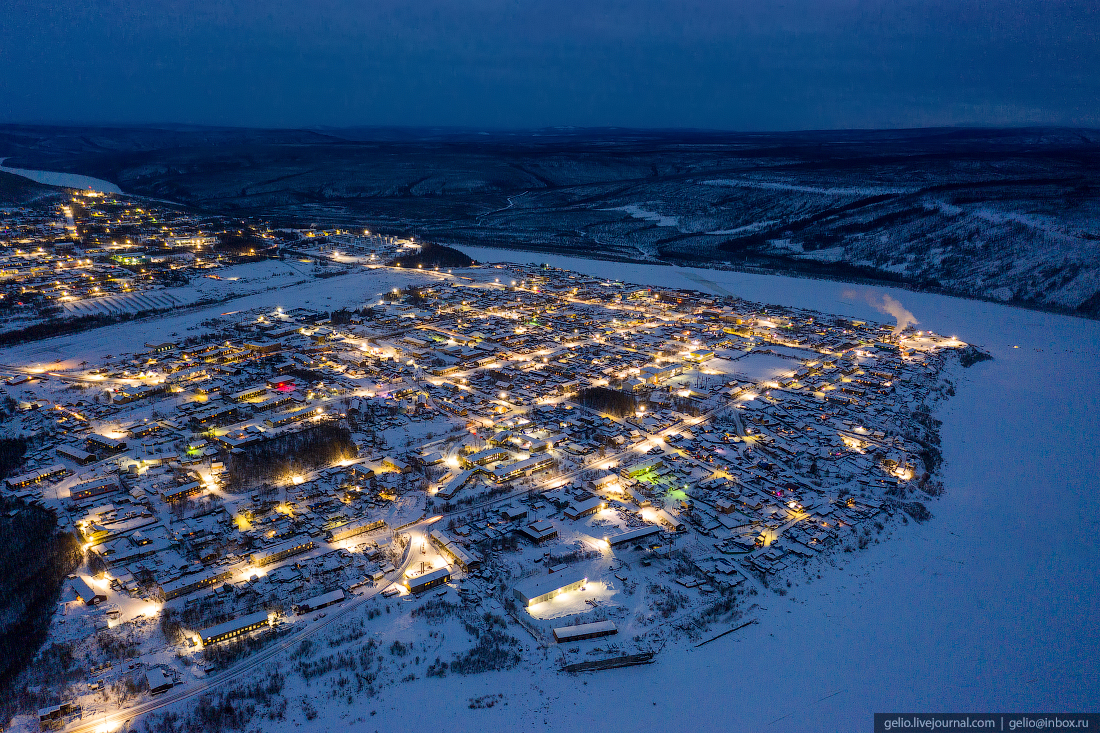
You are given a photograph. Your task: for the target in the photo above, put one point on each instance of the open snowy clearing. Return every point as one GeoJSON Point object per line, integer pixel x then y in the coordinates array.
{"type": "Point", "coordinates": [351, 290]}
{"type": "Point", "coordinates": [755, 367]}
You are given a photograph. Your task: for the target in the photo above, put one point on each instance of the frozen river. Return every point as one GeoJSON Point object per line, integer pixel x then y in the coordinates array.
{"type": "Point", "coordinates": [69, 180]}
{"type": "Point", "coordinates": [990, 606]}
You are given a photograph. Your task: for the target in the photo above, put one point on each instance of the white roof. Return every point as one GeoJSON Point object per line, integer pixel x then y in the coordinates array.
{"type": "Point", "coordinates": [324, 599]}
{"type": "Point", "coordinates": [599, 627]}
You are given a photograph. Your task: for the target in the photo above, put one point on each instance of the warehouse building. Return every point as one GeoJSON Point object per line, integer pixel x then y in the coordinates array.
{"type": "Point", "coordinates": [542, 589]}
{"type": "Point", "coordinates": [581, 632]}
{"type": "Point", "coordinates": [235, 628]}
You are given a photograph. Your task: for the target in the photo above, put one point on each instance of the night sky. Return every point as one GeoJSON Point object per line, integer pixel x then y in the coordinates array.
{"type": "Point", "coordinates": [742, 64]}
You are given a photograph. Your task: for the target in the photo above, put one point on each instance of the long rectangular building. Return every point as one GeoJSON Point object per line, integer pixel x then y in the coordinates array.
{"type": "Point", "coordinates": [73, 453]}
{"type": "Point", "coordinates": [355, 528]}
{"type": "Point", "coordinates": [521, 468]}
{"type": "Point", "coordinates": [486, 456]}
{"type": "Point", "coordinates": [546, 588]}
{"type": "Point", "coordinates": [235, 628]}
{"type": "Point", "coordinates": [281, 551]}
{"type": "Point", "coordinates": [454, 551]}
{"type": "Point", "coordinates": [454, 484]}
{"type": "Point", "coordinates": [179, 493]}
{"type": "Point", "coordinates": [633, 535]}
{"type": "Point", "coordinates": [298, 415]}
{"type": "Point", "coordinates": [33, 477]}
{"type": "Point", "coordinates": [322, 601]}
{"type": "Point", "coordinates": [191, 583]}
{"type": "Point", "coordinates": [103, 443]}
{"type": "Point", "coordinates": [428, 580]}
{"type": "Point", "coordinates": [584, 631]}
{"type": "Point", "coordinates": [96, 487]}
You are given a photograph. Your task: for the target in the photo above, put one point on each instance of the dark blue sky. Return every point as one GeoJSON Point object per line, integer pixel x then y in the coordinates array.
{"type": "Point", "coordinates": [742, 64]}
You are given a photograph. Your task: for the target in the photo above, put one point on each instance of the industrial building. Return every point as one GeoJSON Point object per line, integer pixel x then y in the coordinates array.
{"type": "Point", "coordinates": [581, 632]}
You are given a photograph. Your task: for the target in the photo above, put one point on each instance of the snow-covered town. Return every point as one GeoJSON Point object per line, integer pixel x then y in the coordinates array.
{"type": "Point", "coordinates": [453, 471]}
{"type": "Point", "coordinates": [105, 256]}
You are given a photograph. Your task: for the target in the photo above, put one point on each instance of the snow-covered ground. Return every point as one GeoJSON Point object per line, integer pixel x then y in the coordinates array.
{"type": "Point", "coordinates": [639, 213]}
{"type": "Point", "coordinates": [69, 180]}
{"type": "Point", "coordinates": [225, 283]}
{"type": "Point", "coordinates": [988, 606]}
{"type": "Point", "coordinates": [352, 290]}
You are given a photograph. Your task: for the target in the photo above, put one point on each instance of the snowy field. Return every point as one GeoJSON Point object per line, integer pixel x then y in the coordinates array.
{"type": "Point", "coordinates": [223, 284]}
{"type": "Point", "coordinates": [69, 180]}
{"type": "Point", "coordinates": [754, 367]}
{"type": "Point", "coordinates": [352, 290]}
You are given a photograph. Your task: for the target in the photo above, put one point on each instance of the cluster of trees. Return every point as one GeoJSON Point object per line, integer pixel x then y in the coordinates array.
{"type": "Point", "coordinates": [65, 326]}
{"type": "Point", "coordinates": [54, 667]}
{"type": "Point", "coordinates": [434, 255]}
{"type": "Point", "coordinates": [269, 460]}
{"type": "Point", "coordinates": [971, 355]}
{"type": "Point", "coordinates": [34, 560]}
{"type": "Point", "coordinates": [606, 400]}
{"type": "Point", "coordinates": [12, 450]}
{"type": "Point", "coordinates": [231, 709]}
{"type": "Point", "coordinates": [495, 650]}
{"type": "Point", "coordinates": [666, 601]}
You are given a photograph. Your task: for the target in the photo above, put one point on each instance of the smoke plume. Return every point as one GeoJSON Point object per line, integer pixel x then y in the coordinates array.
{"type": "Point", "coordinates": [886, 304]}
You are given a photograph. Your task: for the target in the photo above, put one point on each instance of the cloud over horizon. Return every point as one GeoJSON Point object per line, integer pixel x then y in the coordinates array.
{"type": "Point", "coordinates": [797, 64]}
